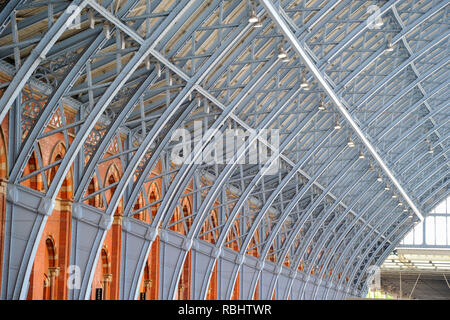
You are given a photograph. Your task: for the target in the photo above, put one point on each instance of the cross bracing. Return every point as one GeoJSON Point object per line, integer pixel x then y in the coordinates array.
{"type": "Point", "coordinates": [115, 80]}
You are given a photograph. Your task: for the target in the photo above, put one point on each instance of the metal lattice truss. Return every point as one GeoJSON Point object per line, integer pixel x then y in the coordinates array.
{"type": "Point", "coordinates": [132, 72]}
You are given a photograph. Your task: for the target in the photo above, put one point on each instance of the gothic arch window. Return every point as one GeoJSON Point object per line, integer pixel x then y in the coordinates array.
{"type": "Point", "coordinates": [51, 271]}
{"type": "Point", "coordinates": [57, 154]}
{"type": "Point", "coordinates": [106, 274]}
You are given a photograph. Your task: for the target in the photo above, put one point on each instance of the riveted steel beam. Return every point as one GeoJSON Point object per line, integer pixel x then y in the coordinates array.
{"type": "Point", "coordinates": [37, 55]}
{"type": "Point", "coordinates": [338, 102]}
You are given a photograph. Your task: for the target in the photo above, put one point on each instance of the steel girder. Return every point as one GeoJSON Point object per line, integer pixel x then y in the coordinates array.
{"type": "Point", "coordinates": [173, 195]}
{"type": "Point", "coordinates": [354, 237]}
{"type": "Point", "coordinates": [334, 98]}
{"type": "Point", "coordinates": [364, 241]}
{"type": "Point", "coordinates": [393, 238]}
{"type": "Point", "coordinates": [379, 261]}
{"type": "Point", "coordinates": [298, 225]}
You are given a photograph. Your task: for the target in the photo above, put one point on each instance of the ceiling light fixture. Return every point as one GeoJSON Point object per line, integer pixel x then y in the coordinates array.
{"type": "Point", "coordinates": [304, 83]}
{"type": "Point", "coordinates": [322, 105]}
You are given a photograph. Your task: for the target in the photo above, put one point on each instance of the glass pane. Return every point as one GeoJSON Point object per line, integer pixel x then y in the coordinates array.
{"type": "Point", "coordinates": [441, 237]}
{"type": "Point", "coordinates": [430, 237]}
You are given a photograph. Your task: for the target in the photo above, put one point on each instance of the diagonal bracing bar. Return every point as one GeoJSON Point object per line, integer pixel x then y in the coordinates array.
{"type": "Point", "coordinates": [340, 104]}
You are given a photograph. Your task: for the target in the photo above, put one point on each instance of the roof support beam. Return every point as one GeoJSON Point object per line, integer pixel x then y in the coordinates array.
{"type": "Point", "coordinates": [362, 250]}
{"type": "Point", "coordinates": [5, 14]}
{"type": "Point", "coordinates": [36, 56]}
{"type": "Point", "coordinates": [437, 200]}
{"type": "Point", "coordinates": [338, 102]}
{"type": "Point", "coordinates": [354, 238]}
{"type": "Point", "coordinates": [393, 238]}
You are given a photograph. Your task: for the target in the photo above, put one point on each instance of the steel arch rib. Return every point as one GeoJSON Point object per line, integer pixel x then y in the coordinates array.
{"type": "Point", "coordinates": [290, 206]}
{"type": "Point", "coordinates": [420, 139]}
{"type": "Point", "coordinates": [348, 228]}
{"type": "Point", "coordinates": [109, 135]}
{"type": "Point", "coordinates": [95, 114]}
{"type": "Point", "coordinates": [294, 201]}
{"type": "Point", "coordinates": [410, 86]}
{"type": "Point", "coordinates": [182, 178]}
{"type": "Point", "coordinates": [327, 234]}
{"type": "Point", "coordinates": [192, 83]}
{"type": "Point", "coordinates": [403, 33]}
{"type": "Point", "coordinates": [36, 56]}
{"type": "Point", "coordinates": [142, 178]}
{"type": "Point", "coordinates": [355, 33]}
{"type": "Point", "coordinates": [401, 223]}
{"type": "Point", "coordinates": [430, 176]}
{"type": "Point", "coordinates": [136, 189]}
{"type": "Point", "coordinates": [371, 245]}
{"type": "Point", "coordinates": [431, 162]}
{"type": "Point", "coordinates": [214, 59]}
{"type": "Point", "coordinates": [400, 68]}
{"type": "Point", "coordinates": [393, 213]}
{"type": "Point", "coordinates": [417, 160]}
{"type": "Point", "coordinates": [229, 222]}
{"type": "Point", "coordinates": [430, 13]}
{"type": "Point", "coordinates": [444, 185]}
{"type": "Point", "coordinates": [438, 200]}
{"type": "Point", "coordinates": [297, 227]}
{"type": "Point", "coordinates": [247, 192]}
{"type": "Point", "coordinates": [166, 115]}
{"type": "Point", "coordinates": [310, 207]}
{"type": "Point", "coordinates": [411, 130]}
{"type": "Point", "coordinates": [112, 90]}
{"type": "Point", "coordinates": [345, 233]}
{"type": "Point", "coordinates": [216, 188]}
{"type": "Point", "coordinates": [410, 110]}
{"type": "Point", "coordinates": [37, 129]}
{"type": "Point", "coordinates": [355, 219]}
